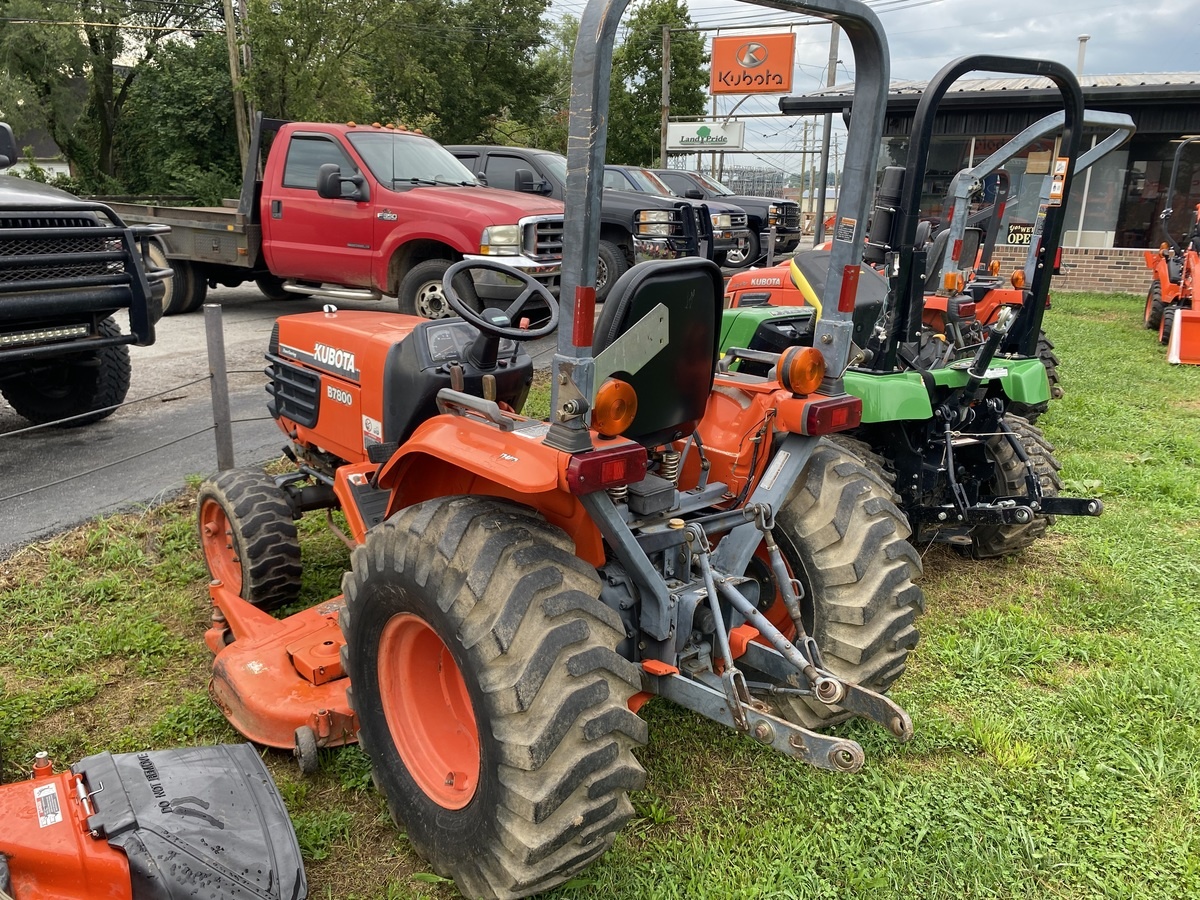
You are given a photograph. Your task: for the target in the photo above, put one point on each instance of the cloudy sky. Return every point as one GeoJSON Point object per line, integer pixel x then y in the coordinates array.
{"type": "Point", "coordinates": [1125, 37]}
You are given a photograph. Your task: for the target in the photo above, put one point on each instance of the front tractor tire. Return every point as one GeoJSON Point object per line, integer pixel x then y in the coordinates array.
{"type": "Point", "coordinates": [248, 537]}
{"type": "Point", "coordinates": [846, 541]}
{"type": "Point", "coordinates": [488, 693]}
{"type": "Point", "coordinates": [88, 385]}
{"type": "Point", "coordinates": [1153, 315]}
{"type": "Point", "coordinates": [1004, 540]}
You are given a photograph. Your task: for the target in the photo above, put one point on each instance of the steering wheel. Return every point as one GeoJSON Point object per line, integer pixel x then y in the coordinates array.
{"type": "Point", "coordinates": [501, 329]}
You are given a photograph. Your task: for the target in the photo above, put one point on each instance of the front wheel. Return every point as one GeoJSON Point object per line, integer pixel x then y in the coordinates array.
{"type": "Point", "coordinates": [846, 542]}
{"type": "Point", "coordinates": [1005, 540]}
{"type": "Point", "coordinates": [611, 264]}
{"type": "Point", "coordinates": [421, 293]}
{"type": "Point", "coordinates": [249, 538]}
{"type": "Point", "coordinates": [740, 258]}
{"type": "Point", "coordinates": [488, 693]}
{"type": "Point", "coordinates": [1153, 315]}
{"type": "Point", "coordinates": [87, 385]}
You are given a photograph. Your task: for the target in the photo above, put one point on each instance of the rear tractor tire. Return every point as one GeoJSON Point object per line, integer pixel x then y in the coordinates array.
{"type": "Point", "coordinates": [88, 385]}
{"type": "Point", "coordinates": [846, 541]}
{"type": "Point", "coordinates": [248, 537]}
{"type": "Point", "coordinates": [1004, 540]}
{"type": "Point", "coordinates": [488, 693]}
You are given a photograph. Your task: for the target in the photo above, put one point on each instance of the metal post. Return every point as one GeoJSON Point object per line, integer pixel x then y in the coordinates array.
{"type": "Point", "coordinates": [214, 335]}
{"type": "Point", "coordinates": [830, 78]}
{"type": "Point", "coordinates": [666, 95]}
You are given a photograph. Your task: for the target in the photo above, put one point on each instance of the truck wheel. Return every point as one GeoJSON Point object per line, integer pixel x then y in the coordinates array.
{"type": "Point", "coordinates": [421, 292]}
{"type": "Point", "coordinates": [739, 259]}
{"type": "Point", "coordinates": [248, 537]}
{"type": "Point", "coordinates": [74, 385]}
{"type": "Point", "coordinates": [185, 291]}
{"type": "Point", "coordinates": [271, 287]}
{"type": "Point", "coordinates": [196, 290]}
{"type": "Point", "coordinates": [1004, 540]}
{"type": "Point", "coordinates": [1032, 411]}
{"type": "Point", "coordinates": [847, 543]}
{"type": "Point", "coordinates": [488, 694]}
{"type": "Point", "coordinates": [611, 264]}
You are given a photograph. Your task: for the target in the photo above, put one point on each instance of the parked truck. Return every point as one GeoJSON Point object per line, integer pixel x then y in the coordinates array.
{"type": "Point", "coordinates": [67, 267]}
{"type": "Point", "coordinates": [633, 227]}
{"type": "Point", "coordinates": [346, 211]}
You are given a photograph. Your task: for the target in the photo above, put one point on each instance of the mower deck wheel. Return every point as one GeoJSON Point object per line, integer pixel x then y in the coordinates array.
{"type": "Point", "coordinates": [1004, 540]}
{"type": "Point", "coordinates": [846, 541]}
{"type": "Point", "coordinates": [488, 693]}
{"type": "Point", "coordinates": [249, 538]}
{"type": "Point", "coordinates": [305, 751]}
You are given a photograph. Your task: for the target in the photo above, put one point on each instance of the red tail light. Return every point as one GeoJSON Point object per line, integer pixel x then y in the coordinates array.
{"type": "Point", "coordinates": [836, 414]}
{"type": "Point", "coordinates": [600, 470]}
{"type": "Point", "coordinates": [1057, 261]}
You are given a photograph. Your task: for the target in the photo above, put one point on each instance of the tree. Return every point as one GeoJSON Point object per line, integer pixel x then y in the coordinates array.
{"type": "Point", "coordinates": [545, 123]}
{"type": "Point", "coordinates": [71, 71]}
{"type": "Point", "coordinates": [635, 106]}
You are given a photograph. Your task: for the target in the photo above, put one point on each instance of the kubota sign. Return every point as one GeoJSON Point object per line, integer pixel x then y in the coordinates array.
{"type": "Point", "coordinates": [753, 65]}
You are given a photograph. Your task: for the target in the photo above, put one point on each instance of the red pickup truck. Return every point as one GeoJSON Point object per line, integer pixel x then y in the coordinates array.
{"type": "Point", "coordinates": [353, 212]}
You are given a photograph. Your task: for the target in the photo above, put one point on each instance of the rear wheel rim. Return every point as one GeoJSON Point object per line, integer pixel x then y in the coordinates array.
{"type": "Point", "coordinates": [216, 538]}
{"type": "Point", "coordinates": [428, 711]}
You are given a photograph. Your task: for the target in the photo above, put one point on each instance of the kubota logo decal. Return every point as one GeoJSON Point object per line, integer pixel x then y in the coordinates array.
{"type": "Point", "coordinates": [332, 356]}
{"type": "Point", "coordinates": [324, 357]}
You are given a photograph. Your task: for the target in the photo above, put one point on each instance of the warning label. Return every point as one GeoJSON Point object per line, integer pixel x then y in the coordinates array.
{"type": "Point", "coordinates": [45, 797]}
{"type": "Point", "coordinates": [845, 229]}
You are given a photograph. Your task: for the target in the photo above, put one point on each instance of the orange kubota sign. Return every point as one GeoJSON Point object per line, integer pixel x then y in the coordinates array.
{"type": "Point", "coordinates": [761, 64]}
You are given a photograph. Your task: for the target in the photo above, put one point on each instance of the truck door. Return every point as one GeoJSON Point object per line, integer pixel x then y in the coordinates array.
{"type": "Point", "coordinates": [310, 237]}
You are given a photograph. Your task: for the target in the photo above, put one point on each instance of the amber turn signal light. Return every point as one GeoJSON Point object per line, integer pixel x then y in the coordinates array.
{"type": "Point", "coordinates": [801, 369]}
{"type": "Point", "coordinates": [994, 268]}
{"type": "Point", "coordinates": [1018, 279]}
{"type": "Point", "coordinates": [615, 408]}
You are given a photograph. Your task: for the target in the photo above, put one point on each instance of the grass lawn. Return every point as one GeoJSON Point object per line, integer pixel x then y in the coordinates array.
{"type": "Point", "coordinates": [1056, 696]}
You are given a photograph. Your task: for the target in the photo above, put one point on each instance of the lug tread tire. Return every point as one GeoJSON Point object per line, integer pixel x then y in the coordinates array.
{"type": "Point", "coordinates": [1152, 318]}
{"type": "Point", "coordinates": [842, 530]}
{"type": "Point", "coordinates": [77, 384]}
{"type": "Point", "coordinates": [1032, 411]}
{"type": "Point", "coordinates": [522, 616]}
{"type": "Point", "coordinates": [264, 534]}
{"type": "Point", "coordinates": [1004, 540]}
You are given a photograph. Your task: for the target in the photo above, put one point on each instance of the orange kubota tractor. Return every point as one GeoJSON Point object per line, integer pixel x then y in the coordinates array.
{"type": "Point", "coordinates": [519, 588]}
{"type": "Point", "coordinates": [1175, 274]}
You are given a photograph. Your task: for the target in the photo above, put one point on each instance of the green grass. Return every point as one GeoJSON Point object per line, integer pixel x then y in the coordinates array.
{"type": "Point", "coordinates": [1056, 696]}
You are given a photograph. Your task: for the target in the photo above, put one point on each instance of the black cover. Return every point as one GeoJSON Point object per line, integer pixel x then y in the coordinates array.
{"type": "Point", "coordinates": [673, 387]}
{"type": "Point", "coordinates": [196, 822]}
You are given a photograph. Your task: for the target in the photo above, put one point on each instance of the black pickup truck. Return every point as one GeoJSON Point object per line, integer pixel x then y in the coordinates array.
{"type": "Point", "coordinates": [67, 266]}
{"type": "Point", "coordinates": [763, 212]}
{"type": "Point", "coordinates": [633, 227]}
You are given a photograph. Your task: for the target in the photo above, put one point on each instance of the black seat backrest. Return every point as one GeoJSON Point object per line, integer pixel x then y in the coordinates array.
{"type": "Point", "coordinates": [673, 387]}
{"type": "Point", "coordinates": [934, 259]}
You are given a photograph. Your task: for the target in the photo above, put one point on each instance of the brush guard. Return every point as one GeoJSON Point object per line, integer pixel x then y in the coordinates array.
{"type": "Point", "coordinates": [719, 689]}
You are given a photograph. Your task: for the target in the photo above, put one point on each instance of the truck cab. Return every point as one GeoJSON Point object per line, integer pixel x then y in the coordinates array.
{"type": "Point", "coordinates": [633, 227]}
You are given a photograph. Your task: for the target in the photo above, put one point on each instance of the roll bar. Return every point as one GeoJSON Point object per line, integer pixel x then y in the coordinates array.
{"type": "Point", "coordinates": [1165, 215]}
{"type": "Point", "coordinates": [572, 382]}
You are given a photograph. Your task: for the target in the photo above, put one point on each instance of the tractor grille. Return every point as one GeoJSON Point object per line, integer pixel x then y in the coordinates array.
{"type": "Point", "coordinates": [295, 392]}
{"type": "Point", "coordinates": [29, 257]}
{"type": "Point", "coordinates": [542, 238]}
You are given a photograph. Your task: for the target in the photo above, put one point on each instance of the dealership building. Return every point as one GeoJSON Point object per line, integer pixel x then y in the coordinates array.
{"type": "Point", "coordinates": [1114, 210]}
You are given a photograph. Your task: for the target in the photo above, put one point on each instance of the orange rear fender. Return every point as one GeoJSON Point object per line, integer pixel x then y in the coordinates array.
{"type": "Point", "coordinates": [451, 454]}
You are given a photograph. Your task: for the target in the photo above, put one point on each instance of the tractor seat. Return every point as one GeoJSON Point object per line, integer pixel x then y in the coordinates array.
{"type": "Point", "coordinates": [934, 259]}
{"type": "Point", "coordinates": [673, 387]}
{"type": "Point", "coordinates": [869, 299]}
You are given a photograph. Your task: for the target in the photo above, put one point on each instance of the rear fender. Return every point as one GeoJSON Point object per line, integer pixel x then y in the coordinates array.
{"type": "Point", "coordinates": [1022, 380]}
{"type": "Point", "coordinates": [450, 454]}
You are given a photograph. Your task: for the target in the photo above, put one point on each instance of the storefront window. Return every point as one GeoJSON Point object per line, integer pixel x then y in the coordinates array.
{"type": "Point", "coordinates": [1146, 192]}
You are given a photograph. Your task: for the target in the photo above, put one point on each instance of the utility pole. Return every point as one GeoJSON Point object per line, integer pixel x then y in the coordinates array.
{"type": "Point", "coordinates": [830, 78]}
{"type": "Point", "coordinates": [235, 75]}
{"type": "Point", "coordinates": [666, 94]}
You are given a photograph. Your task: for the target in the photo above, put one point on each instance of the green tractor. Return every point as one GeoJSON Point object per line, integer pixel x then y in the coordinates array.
{"type": "Point", "coordinates": [937, 418]}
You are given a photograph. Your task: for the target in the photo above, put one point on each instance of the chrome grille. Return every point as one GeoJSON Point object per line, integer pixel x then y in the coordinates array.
{"type": "Point", "coordinates": [738, 220]}
{"type": "Point", "coordinates": [542, 239]}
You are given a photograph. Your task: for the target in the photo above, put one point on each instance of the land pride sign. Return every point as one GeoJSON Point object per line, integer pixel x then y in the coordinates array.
{"type": "Point", "coordinates": [705, 136]}
{"type": "Point", "coordinates": [753, 65]}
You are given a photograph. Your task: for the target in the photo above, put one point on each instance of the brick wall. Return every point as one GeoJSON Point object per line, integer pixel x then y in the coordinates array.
{"type": "Point", "coordinates": [1117, 270]}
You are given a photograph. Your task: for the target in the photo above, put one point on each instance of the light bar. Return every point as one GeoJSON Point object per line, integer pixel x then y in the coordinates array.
{"type": "Point", "coordinates": [39, 335]}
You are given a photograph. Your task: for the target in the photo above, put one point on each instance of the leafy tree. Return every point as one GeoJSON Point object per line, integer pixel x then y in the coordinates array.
{"type": "Point", "coordinates": [635, 106]}
{"type": "Point", "coordinates": [77, 87]}
{"type": "Point", "coordinates": [545, 124]}
{"type": "Point", "coordinates": [179, 135]}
